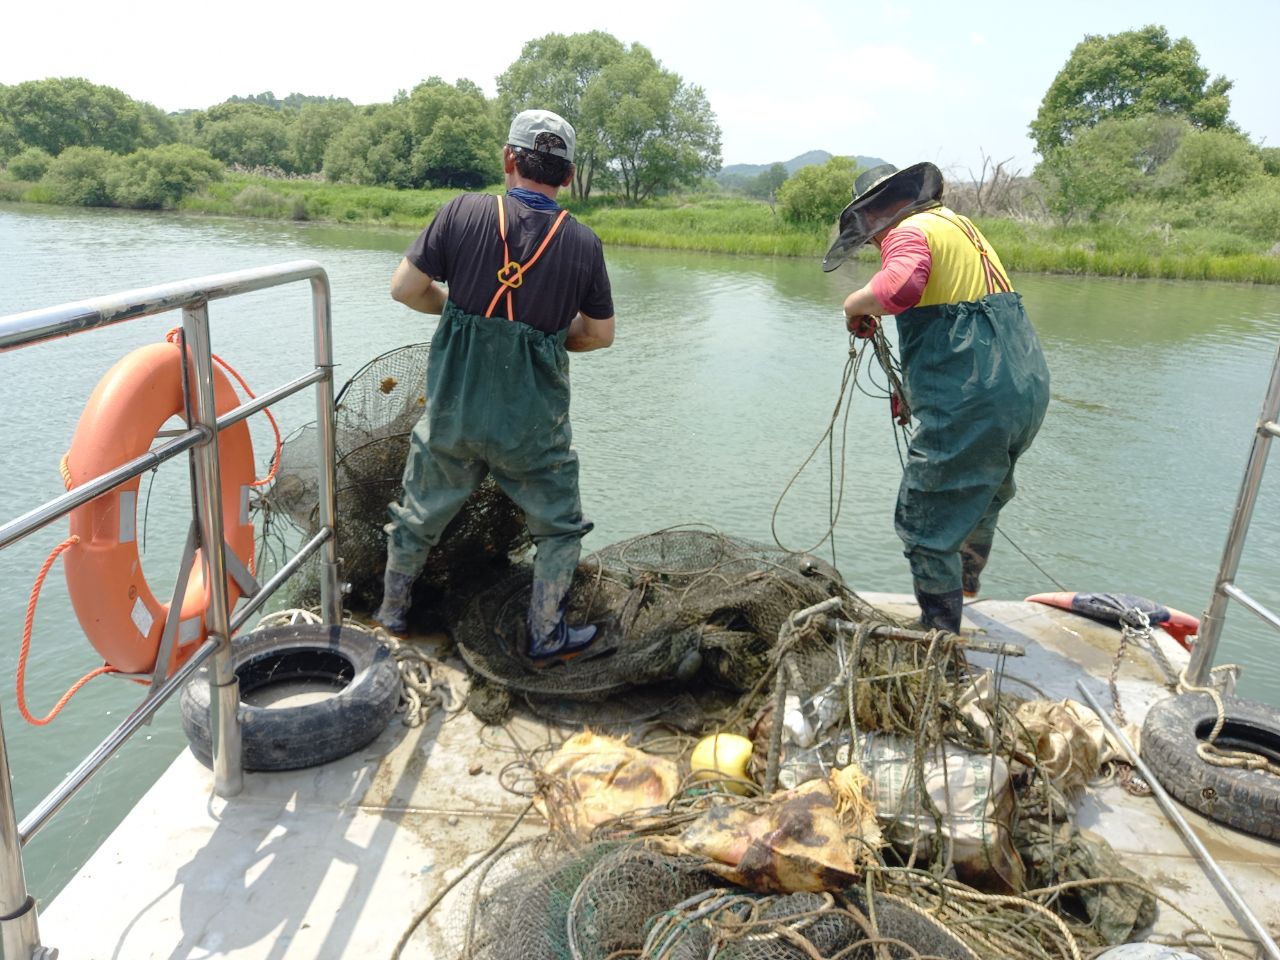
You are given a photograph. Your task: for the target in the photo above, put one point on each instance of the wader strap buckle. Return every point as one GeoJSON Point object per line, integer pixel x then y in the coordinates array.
{"type": "Point", "coordinates": [511, 274]}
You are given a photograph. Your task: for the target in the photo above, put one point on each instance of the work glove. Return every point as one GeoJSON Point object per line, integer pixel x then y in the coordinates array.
{"type": "Point", "coordinates": [863, 327]}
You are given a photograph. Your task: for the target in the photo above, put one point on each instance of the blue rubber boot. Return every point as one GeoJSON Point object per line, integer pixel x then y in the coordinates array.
{"type": "Point", "coordinates": [393, 615]}
{"type": "Point", "coordinates": [551, 640]}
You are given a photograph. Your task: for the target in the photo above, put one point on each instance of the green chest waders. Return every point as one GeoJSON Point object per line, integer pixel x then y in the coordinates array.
{"type": "Point", "coordinates": [977, 383]}
{"type": "Point", "coordinates": [498, 403]}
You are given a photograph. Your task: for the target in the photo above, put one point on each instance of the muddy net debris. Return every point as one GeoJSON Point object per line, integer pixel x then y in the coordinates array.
{"type": "Point", "coordinates": [896, 805]}
{"type": "Point", "coordinates": [678, 608]}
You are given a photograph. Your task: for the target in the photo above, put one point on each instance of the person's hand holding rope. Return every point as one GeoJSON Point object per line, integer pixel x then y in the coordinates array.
{"type": "Point", "coordinates": [863, 325]}
{"type": "Point", "coordinates": [866, 326]}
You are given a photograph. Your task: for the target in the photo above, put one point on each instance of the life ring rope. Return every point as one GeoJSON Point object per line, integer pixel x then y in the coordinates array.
{"type": "Point", "coordinates": [21, 680]}
{"type": "Point", "coordinates": [64, 469]}
{"type": "Point", "coordinates": [173, 336]}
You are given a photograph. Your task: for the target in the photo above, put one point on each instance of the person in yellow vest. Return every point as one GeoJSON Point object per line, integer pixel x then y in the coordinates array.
{"type": "Point", "coordinates": [974, 376]}
{"type": "Point", "coordinates": [526, 282]}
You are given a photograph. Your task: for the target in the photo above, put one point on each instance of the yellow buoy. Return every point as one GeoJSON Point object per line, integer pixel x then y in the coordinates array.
{"type": "Point", "coordinates": [722, 755]}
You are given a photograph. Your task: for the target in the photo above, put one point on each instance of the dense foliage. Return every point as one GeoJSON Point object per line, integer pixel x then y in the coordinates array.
{"type": "Point", "coordinates": [817, 194]}
{"type": "Point", "coordinates": [70, 112]}
{"type": "Point", "coordinates": [154, 178]}
{"type": "Point", "coordinates": [1127, 75]}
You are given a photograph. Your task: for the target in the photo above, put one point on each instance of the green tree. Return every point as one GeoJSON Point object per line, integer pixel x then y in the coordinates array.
{"type": "Point", "coordinates": [816, 194]}
{"type": "Point", "coordinates": [655, 132]}
{"type": "Point", "coordinates": [247, 134]}
{"type": "Point", "coordinates": [312, 130]}
{"type": "Point", "coordinates": [1128, 75]}
{"type": "Point", "coordinates": [552, 73]}
{"type": "Point", "coordinates": [764, 186]}
{"type": "Point", "coordinates": [66, 112]}
{"type": "Point", "coordinates": [455, 136]}
{"type": "Point", "coordinates": [79, 176]}
{"type": "Point", "coordinates": [30, 164]}
{"type": "Point", "coordinates": [375, 148]}
{"type": "Point", "coordinates": [157, 178]}
{"type": "Point", "coordinates": [1109, 162]}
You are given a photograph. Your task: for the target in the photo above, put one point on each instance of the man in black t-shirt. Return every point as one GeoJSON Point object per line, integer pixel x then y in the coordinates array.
{"type": "Point", "coordinates": [526, 283]}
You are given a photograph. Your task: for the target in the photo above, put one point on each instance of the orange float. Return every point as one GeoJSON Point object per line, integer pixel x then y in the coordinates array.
{"type": "Point", "coordinates": [116, 608]}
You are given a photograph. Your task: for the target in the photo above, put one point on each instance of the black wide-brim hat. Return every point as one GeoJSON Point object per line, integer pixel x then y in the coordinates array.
{"type": "Point", "coordinates": [875, 205]}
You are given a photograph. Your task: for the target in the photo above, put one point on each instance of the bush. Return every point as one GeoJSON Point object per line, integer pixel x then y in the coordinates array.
{"type": "Point", "coordinates": [1270, 157]}
{"type": "Point", "coordinates": [817, 194]}
{"type": "Point", "coordinates": [1254, 212]}
{"type": "Point", "coordinates": [1210, 162]}
{"type": "Point", "coordinates": [158, 178]}
{"type": "Point", "coordinates": [257, 201]}
{"type": "Point", "coordinates": [31, 164]}
{"type": "Point", "coordinates": [79, 176]}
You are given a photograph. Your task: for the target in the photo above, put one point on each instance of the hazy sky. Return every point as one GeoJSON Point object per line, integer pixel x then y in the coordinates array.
{"type": "Point", "coordinates": [940, 80]}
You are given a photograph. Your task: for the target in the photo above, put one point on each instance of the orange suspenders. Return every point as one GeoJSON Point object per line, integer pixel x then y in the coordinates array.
{"type": "Point", "coordinates": [511, 274]}
{"type": "Point", "coordinates": [994, 277]}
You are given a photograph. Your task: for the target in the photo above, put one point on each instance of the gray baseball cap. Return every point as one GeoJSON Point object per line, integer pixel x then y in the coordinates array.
{"type": "Point", "coordinates": [529, 123]}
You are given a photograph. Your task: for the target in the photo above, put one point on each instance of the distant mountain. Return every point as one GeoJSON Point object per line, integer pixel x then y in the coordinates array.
{"type": "Point", "coordinates": [737, 172]}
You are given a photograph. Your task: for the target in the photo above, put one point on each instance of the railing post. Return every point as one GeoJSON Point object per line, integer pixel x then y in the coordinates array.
{"type": "Point", "coordinates": [330, 589]}
{"type": "Point", "coordinates": [1206, 646]}
{"type": "Point", "coordinates": [224, 700]}
{"type": "Point", "coordinates": [18, 934]}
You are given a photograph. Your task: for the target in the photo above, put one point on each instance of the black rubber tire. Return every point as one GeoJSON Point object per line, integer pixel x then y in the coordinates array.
{"type": "Point", "coordinates": [289, 738]}
{"type": "Point", "coordinates": [1248, 800]}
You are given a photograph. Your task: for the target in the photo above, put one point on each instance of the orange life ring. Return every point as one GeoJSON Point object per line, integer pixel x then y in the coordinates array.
{"type": "Point", "coordinates": [117, 610]}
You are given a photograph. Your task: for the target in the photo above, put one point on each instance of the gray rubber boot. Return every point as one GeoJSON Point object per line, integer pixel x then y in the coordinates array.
{"type": "Point", "coordinates": [551, 640]}
{"type": "Point", "coordinates": [941, 611]}
{"type": "Point", "coordinates": [393, 615]}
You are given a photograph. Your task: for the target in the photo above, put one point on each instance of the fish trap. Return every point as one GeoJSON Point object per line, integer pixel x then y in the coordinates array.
{"type": "Point", "coordinates": [375, 411]}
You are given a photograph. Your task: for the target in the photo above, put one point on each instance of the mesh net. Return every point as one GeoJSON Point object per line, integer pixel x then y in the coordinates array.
{"type": "Point", "coordinates": [676, 605]}
{"type": "Point", "coordinates": [374, 413]}
{"type": "Point", "coordinates": [544, 902]}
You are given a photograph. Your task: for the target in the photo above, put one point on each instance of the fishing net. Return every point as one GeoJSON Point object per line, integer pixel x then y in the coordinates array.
{"type": "Point", "coordinates": [545, 902]}
{"type": "Point", "coordinates": [677, 605]}
{"type": "Point", "coordinates": [374, 413]}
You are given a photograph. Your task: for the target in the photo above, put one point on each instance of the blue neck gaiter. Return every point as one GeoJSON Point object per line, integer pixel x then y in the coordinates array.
{"type": "Point", "coordinates": [531, 198]}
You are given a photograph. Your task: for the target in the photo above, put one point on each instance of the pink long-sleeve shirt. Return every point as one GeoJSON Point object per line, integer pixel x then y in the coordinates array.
{"type": "Point", "coordinates": [905, 262]}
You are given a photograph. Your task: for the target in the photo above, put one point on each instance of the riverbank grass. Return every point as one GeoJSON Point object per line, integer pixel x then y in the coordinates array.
{"type": "Point", "coordinates": [1140, 247]}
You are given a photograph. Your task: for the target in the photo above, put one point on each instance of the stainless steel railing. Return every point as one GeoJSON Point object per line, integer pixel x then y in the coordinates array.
{"type": "Point", "coordinates": [19, 934]}
{"type": "Point", "coordinates": [1225, 589]}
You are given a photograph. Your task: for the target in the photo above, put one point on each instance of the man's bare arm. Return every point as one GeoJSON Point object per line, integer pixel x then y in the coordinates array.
{"type": "Point", "coordinates": [416, 290]}
{"type": "Point", "coordinates": [588, 333]}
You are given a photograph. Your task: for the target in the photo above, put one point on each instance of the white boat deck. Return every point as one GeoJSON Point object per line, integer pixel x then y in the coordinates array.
{"type": "Point", "coordinates": [336, 861]}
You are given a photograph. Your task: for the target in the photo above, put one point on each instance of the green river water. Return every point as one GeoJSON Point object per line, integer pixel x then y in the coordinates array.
{"type": "Point", "coordinates": [722, 378]}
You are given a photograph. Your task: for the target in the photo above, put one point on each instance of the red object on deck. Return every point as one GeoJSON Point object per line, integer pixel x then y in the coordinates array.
{"type": "Point", "coordinates": [1111, 607]}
